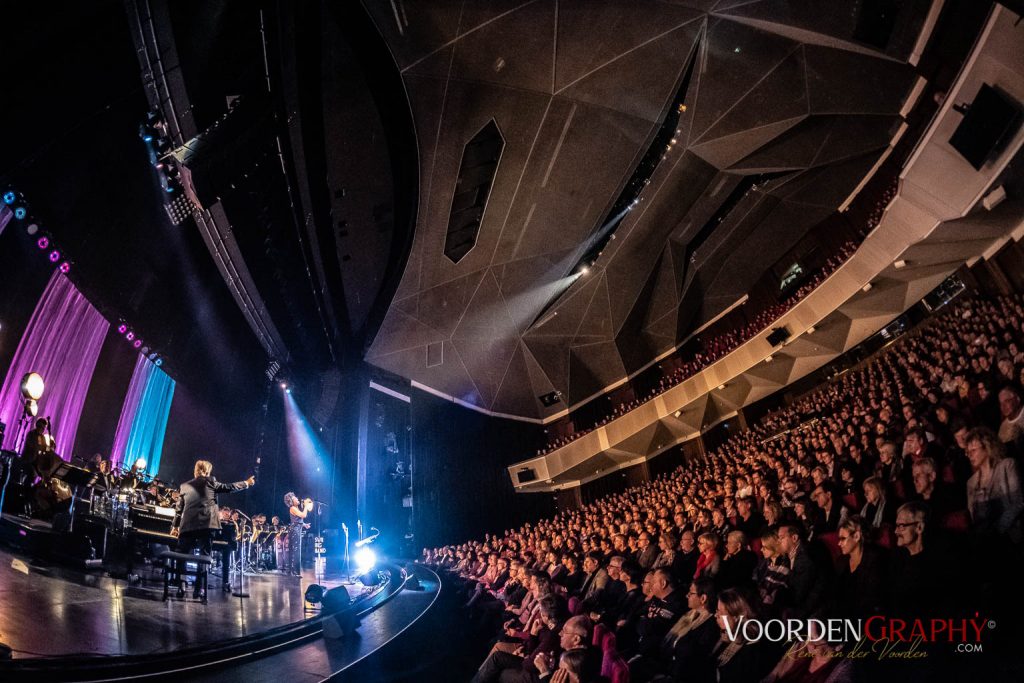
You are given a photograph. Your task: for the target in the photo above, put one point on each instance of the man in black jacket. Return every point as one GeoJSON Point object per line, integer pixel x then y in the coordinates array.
{"type": "Point", "coordinates": [805, 583]}
{"type": "Point", "coordinates": [196, 517]}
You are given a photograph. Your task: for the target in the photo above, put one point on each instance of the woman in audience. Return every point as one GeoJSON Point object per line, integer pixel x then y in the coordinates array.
{"type": "Point", "coordinates": [771, 575]}
{"type": "Point", "coordinates": [814, 661]}
{"type": "Point", "coordinates": [736, 660]}
{"type": "Point", "coordinates": [877, 511]}
{"type": "Point", "coordinates": [994, 496]}
{"type": "Point", "coordinates": [860, 583]}
{"type": "Point", "coordinates": [709, 562]}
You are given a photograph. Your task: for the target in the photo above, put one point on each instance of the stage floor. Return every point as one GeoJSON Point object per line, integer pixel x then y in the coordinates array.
{"type": "Point", "coordinates": [47, 610]}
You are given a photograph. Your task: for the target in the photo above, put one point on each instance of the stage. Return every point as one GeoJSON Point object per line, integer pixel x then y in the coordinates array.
{"type": "Point", "coordinates": [70, 624]}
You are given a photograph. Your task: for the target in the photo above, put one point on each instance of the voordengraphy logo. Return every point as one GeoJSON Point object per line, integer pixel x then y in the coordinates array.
{"type": "Point", "coordinates": [879, 634]}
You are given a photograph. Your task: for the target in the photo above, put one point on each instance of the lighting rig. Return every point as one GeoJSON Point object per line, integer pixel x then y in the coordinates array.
{"type": "Point", "coordinates": [21, 212]}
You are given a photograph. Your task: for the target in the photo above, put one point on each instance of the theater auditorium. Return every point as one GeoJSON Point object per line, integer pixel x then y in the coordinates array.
{"type": "Point", "coordinates": [512, 341]}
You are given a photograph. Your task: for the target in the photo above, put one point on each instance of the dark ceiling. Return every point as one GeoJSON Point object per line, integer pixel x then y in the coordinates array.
{"type": "Point", "coordinates": [789, 105]}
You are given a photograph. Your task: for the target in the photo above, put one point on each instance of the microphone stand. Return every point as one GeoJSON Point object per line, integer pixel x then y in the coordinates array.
{"type": "Point", "coordinates": [243, 549]}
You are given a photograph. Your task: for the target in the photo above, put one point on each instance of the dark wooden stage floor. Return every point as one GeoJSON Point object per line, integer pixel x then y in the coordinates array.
{"type": "Point", "coordinates": [51, 611]}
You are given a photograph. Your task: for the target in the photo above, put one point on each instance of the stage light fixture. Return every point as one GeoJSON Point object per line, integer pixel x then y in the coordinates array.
{"type": "Point", "coordinates": [158, 362]}
{"type": "Point", "coordinates": [43, 242]}
{"type": "Point", "coordinates": [65, 267]}
{"type": "Point", "coordinates": [32, 228]}
{"type": "Point", "coordinates": [145, 351]}
{"type": "Point", "coordinates": [32, 386]}
{"type": "Point", "coordinates": [9, 197]}
{"type": "Point", "coordinates": [138, 343]}
{"type": "Point", "coordinates": [31, 407]}
{"type": "Point", "coordinates": [54, 256]}
{"type": "Point", "coordinates": [130, 335]}
{"type": "Point", "coordinates": [20, 213]}
{"type": "Point", "coordinates": [122, 328]}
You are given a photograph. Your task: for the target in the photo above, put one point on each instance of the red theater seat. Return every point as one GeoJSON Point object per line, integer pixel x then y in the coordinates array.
{"type": "Point", "coordinates": [755, 545]}
{"type": "Point", "coordinates": [956, 521]}
{"type": "Point", "coordinates": [831, 541]}
{"type": "Point", "coordinates": [850, 500]}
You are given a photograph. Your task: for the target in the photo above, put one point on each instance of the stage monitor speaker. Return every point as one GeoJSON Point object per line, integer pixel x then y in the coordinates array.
{"type": "Point", "coordinates": [777, 336]}
{"type": "Point", "coordinates": [527, 474]}
{"type": "Point", "coordinates": [336, 600]}
{"type": "Point", "coordinates": [990, 122]}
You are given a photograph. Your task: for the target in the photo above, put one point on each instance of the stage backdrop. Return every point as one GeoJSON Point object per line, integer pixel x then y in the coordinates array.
{"type": "Point", "coordinates": [143, 421]}
{"type": "Point", "coordinates": [61, 343]}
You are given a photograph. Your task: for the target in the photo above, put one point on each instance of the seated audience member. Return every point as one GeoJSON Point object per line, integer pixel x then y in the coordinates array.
{"type": "Point", "coordinates": [573, 577]}
{"type": "Point", "coordinates": [808, 516]}
{"type": "Point", "coordinates": [543, 637]}
{"type": "Point", "coordinates": [772, 574]}
{"type": "Point", "coordinates": [648, 552]}
{"type": "Point", "coordinates": [575, 641]}
{"type": "Point", "coordinates": [1011, 429]}
{"type": "Point", "coordinates": [917, 582]}
{"type": "Point", "coordinates": [833, 511]}
{"type": "Point", "coordinates": [686, 557]}
{"type": "Point", "coordinates": [665, 606]}
{"type": "Point", "coordinates": [814, 661]}
{"type": "Point", "coordinates": [667, 544]}
{"type": "Point", "coordinates": [877, 510]}
{"type": "Point", "coordinates": [806, 585]}
{"type": "Point", "coordinates": [736, 660]}
{"type": "Point", "coordinates": [626, 614]}
{"type": "Point", "coordinates": [736, 569]}
{"type": "Point", "coordinates": [941, 500]}
{"type": "Point", "coordinates": [956, 454]}
{"type": "Point", "coordinates": [595, 578]}
{"type": "Point", "coordinates": [994, 497]}
{"type": "Point", "coordinates": [685, 652]}
{"type": "Point", "coordinates": [750, 521]}
{"type": "Point", "coordinates": [859, 585]}
{"type": "Point", "coordinates": [708, 563]}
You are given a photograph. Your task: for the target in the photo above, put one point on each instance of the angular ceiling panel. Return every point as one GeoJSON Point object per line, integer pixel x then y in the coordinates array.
{"type": "Point", "coordinates": [624, 30]}
{"type": "Point", "coordinates": [578, 90]}
{"type": "Point", "coordinates": [640, 82]}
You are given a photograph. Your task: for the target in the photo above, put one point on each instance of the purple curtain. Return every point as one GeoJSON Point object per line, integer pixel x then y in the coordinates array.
{"type": "Point", "coordinates": [140, 377]}
{"type": "Point", "coordinates": [61, 343]}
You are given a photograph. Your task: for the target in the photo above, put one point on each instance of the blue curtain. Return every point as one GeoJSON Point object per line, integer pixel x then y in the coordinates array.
{"type": "Point", "coordinates": [146, 439]}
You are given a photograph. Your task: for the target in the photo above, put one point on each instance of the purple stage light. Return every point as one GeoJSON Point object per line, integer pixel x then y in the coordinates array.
{"type": "Point", "coordinates": [138, 343]}
{"type": "Point", "coordinates": [130, 336]}
{"type": "Point", "coordinates": [54, 256]}
{"type": "Point", "coordinates": [65, 267]}
{"type": "Point", "coordinates": [43, 242]}
{"type": "Point", "coordinates": [122, 328]}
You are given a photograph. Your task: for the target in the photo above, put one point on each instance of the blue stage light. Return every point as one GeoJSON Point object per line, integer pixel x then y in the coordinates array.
{"type": "Point", "coordinates": [20, 213]}
{"type": "Point", "coordinates": [9, 197]}
{"type": "Point", "coordinates": [147, 138]}
{"type": "Point", "coordinates": [159, 362]}
{"type": "Point", "coordinates": [365, 560]}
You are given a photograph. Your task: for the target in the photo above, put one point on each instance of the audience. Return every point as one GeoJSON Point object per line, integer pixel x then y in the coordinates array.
{"type": "Point", "coordinates": [918, 430]}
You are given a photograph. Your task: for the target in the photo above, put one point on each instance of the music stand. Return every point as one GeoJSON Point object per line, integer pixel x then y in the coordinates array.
{"type": "Point", "coordinates": [74, 477]}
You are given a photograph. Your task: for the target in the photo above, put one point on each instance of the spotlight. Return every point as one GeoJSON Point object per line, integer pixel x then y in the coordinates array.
{"type": "Point", "coordinates": [65, 267]}
{"type": "Point", "coordinates": [130, 335]}
{"type": "Point", "coordinates": [122, 328]}
{"type": "Point", "coordinates": [145, 351]}
{"type": "Point", "coordinates": [284, 385]}
{"type": "Point", "coordinates": [158, 362]}
{"type": "Point", "coordinates": [32, 386]}
{"type": "Point", "coordinates": [43, 242]}
{"type": "Point", "coordinates": [138, 343]}
{"type": "Point", "coordinates": [584, 270]}
{"type": "Point", "coordinates": [20, 213]}
{"type": "Point", "coordinates": [31, 407]}
{"type": "Point", "coordinates": [32, 228]}
{"type": "Point", "coordinates": [365, 559]}
{"type": "Point", "coordinates": [54, 256]}
{"type": "Point", "coordinates": [9, 197]}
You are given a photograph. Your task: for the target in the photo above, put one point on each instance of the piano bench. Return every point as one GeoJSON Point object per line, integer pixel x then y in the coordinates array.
{"type": "Point", "coordinates": [176, 564]}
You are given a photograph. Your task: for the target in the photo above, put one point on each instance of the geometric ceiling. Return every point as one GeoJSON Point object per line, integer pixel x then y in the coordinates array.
{"type": "Point", "coordinates": [787, 108]}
